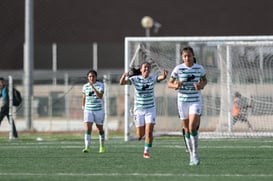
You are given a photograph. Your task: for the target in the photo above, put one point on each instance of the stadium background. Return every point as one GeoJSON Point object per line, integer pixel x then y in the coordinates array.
{"type": "Point", "coordinates": [75, 25]}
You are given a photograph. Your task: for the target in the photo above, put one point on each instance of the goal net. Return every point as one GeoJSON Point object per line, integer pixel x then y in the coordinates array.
{"type": "Point", "coordinates": [241, 65]}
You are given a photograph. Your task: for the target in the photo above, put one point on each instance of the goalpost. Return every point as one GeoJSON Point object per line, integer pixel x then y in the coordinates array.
{"type": "Point", "coordinates": [241, 64]}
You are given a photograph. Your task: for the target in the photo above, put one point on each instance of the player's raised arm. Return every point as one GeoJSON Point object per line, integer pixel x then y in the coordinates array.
{"type": "Point", "coordinates": [123, 79]}
{"type": "Point", "coordinates": [163, 76]}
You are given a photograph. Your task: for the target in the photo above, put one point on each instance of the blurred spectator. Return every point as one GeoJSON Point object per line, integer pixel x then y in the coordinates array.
{"type": "Point", "coordinates": [4, 93]}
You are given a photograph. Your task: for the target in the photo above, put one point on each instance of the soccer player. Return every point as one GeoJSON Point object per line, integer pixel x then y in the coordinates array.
{"type": "Point", "coordinates": [92, 104]}
{"type": "Point", "coordinates": [239, 110]}
{"type": "Point", "coordinates": [189, 78]}
{"type": "Point", "coordinates": [144, 102]}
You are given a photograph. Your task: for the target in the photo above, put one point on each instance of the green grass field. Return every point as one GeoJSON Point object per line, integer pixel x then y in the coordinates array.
{"type": "Point", "coordinates": [59, 157]}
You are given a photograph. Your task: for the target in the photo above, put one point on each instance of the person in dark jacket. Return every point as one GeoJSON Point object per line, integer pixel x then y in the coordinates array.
{"type": "Point", "coordinates": [4, 112]}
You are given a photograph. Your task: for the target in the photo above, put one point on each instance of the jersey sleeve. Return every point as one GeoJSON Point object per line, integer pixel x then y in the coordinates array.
{"type": "Point", "coordinates": [174, 73]}
{"type": "Point", "coordinates": [155, 77]}
{"type": "Point", "coordinates": [83, 89]}
{"type": "Point", "coordinates": [132, 80]}
{"type": "Point", "coordinates": [203, 73]}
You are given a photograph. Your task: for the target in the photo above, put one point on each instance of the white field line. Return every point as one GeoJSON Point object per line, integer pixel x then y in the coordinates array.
{"type": "Point", "coordinates": [131, 146]}
{"type": "Point", "coordinates": [136, 174]}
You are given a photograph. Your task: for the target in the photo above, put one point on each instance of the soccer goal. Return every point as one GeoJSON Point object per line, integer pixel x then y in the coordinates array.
{"type": "Point", "coordinates": [242, 64]}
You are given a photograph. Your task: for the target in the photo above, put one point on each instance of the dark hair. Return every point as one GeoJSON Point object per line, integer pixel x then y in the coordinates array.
{"type": "Point", "coordinates": [237, 94]}
{"type": "Point", "coordinates": [145, 63]}
{"type": "Point", "coordinates": [134, 71]}
{"type": "Point", "coordinates": [2, 79]}
{"type": "Point", "coordinates": [188, 48]}
{"type": "Point", "coordinates": [92, 72]}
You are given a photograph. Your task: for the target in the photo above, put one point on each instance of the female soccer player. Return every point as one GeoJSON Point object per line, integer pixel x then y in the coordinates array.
{"type": "Point", "coordinates": [189, 78]}
{"type": "Point", "coordinates": [92, 104]}
{"type": "Point", "coordinates": [144, 103]}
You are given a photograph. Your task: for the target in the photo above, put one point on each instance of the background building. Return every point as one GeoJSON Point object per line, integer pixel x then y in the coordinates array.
{"type": "Point", "coordinates": [75, 25]}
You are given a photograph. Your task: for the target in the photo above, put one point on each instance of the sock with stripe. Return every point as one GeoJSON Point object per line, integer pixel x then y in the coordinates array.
{"type": "Point", "coordinates": [147, 147]}
{"type": "Point", "coordinates": [194, 140]}
{"type": "Point", "coordinates": [87, 139]}
{"type": "Point", "coordinates": [102, 138]}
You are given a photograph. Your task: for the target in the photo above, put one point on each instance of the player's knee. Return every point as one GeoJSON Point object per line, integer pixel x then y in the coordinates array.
{"type": "Point", "coordinates": [139, 137]}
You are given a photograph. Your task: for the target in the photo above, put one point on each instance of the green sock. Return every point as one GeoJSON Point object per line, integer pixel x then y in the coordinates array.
{"type": "Point", "coordinates": [147, 147]}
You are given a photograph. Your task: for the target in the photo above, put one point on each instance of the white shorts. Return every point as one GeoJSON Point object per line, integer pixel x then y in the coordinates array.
{"type": "Point", "coordinates": [143, 117]}
{"type": "Point", "coordinates": [94, 116]}
{"type": "Point", "coordinates": [185, 109]}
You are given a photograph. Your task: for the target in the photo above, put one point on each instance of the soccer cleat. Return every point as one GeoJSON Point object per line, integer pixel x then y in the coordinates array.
{"type": "Point", "coordinates": [86, 150]}
{"type": "Point", "coordinates": [102, 149]}
{"type": "Point", "coordinates": [194, 162]}
{"type": "Point", "coordinates": [146, 155]}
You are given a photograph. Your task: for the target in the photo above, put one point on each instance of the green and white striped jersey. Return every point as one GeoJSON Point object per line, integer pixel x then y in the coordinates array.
{"type": "Point", "coordinates": [144, 91]}
{"type": "Point", "coordinates": [189, 76]}
{"type": "Point", "coordinates": [92, 102]}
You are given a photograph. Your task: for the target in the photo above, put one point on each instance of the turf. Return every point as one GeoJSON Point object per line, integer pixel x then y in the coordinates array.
{"type": "Point", "coordinates": [60, 157]}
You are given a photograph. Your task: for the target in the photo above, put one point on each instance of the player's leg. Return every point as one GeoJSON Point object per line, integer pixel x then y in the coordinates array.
{"type": "Point", "coordinates": [87, 136]}
{"type": "Point", "coordinates": [183, 110]}
{"type": "Point", "coordinates": [2, 115]}
{"type": "Point", "coordinates": [140, 132]}
{"type": "Point", "coordinates": [99, 120]}
{"type": "Point", "coordinates": [185, 125]}
{"type": "Point", "coordinates": [14, 130]}
{"type": "Point", "coordinates": [88, 122]}
{"type": "Point", "coordinates": [5, 112]}
{"type": "Point", "coordinates": [150, 116]}
{"type": "Point", "coordinates": [243, 118]}
{"type": "Point", "coordinates": [250, 128]}
{"type": "Point", "coordinates": [148, 139]}
{"type": "Point", "coordinates": [139, 123]}
{"type": "Point", "coordinates": [183, 137]}
{"type": "Point", "coordinates": [194, 122]}
{"type": "Point", "coordinates": [101, 138]}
